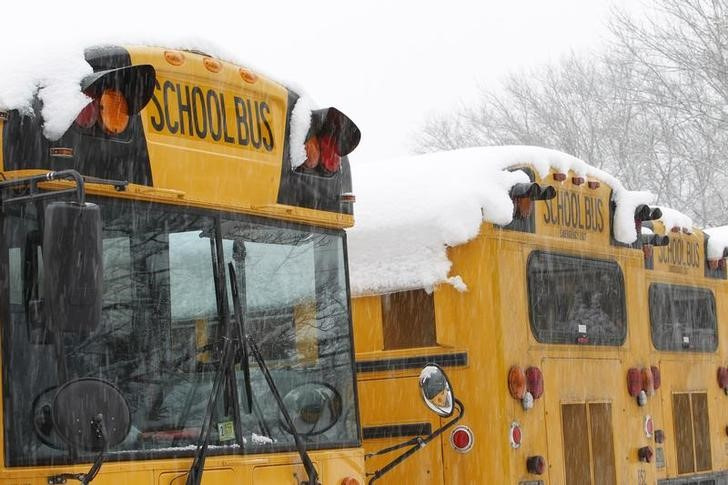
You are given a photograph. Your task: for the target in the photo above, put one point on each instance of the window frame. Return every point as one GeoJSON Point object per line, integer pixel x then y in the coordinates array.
{"type": "Point", "coordinates": [537, 333]}
{"type": "Point", "coordinates": [696, 289]}
{"type": "Point", "coordinates": [217, 216]}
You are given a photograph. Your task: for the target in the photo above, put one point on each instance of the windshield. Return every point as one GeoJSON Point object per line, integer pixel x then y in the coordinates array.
{"type": "Point", "coordinates": [159, 339]}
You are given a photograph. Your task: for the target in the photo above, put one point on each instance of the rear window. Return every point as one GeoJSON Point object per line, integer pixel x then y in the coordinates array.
{"type": "Point", "coordinates": [682, 318]}
{"type": "Point", "coordinates": [575, 300]}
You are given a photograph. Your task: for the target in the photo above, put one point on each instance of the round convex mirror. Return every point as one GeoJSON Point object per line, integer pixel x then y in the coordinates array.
{"type": "Point", "coordinates": [77, 403]}
{"type": "Point", "coordinates": [314, 408]}
{"type": "Point", "coordinates": [436, 390]}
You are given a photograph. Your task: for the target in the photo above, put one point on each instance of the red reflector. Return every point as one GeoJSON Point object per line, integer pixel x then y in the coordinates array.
{"type": "Point", "coordinates": [534, 382]}
{"type": "Point", "coordinates": [461, 439]}
{"type": "Point", "coordinates": [577, 180]}
{"type": "Point", "coordinates": [559, 177]}
{"type": "Point", "coordinates": [649, 426]}
{"type": "Point", "coordinates": [593, 184]}
{"type": "Point", "coordinates": [515, 435]}
{"type": "Point", "coordinates": [329, 158]}
{"type": "Point", "coordinates": [634, 381]}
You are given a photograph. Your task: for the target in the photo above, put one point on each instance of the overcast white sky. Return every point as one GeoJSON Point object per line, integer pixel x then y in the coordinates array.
{"type": "Point", "coordinates": [387, 64]}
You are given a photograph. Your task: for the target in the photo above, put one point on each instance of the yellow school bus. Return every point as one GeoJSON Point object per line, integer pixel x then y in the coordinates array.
{"type": "Point", "coordinates": [579, 358]}
{"type": "Point", "coordinates": [174, 281]}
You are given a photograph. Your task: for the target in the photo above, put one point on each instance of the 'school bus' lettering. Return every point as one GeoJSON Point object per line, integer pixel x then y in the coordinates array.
{"type": "Point", "coordinates": [576, 211]}
{"type": "Point", "coordinates": [208, 114]}
{"type": "Point", "coordinates": [680, 253]}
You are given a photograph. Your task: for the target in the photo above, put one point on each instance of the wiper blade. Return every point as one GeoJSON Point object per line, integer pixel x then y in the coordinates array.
{"type": "Point", "coordinates": [300, 446]}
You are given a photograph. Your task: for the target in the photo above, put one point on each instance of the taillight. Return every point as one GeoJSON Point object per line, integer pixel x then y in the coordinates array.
{"type": "Point", "coordinates": [330, 159]}
{"type": "Point", "coordinates": [113, 111]}
{"type": "Point", "coordinates": [534, 382]}
{"type": "Point", "coordinates": [516, 382]}
{"type": "Point", "coordinates": [648, 384]}
{"type": "Point", "coordinates": [461, 439]}
{"type": "Point", "coordinates": [634, 381]}
{"type": "Point", "coordinates": [89, 115]}
{"type": "Point", "coordinates": [723, 378]}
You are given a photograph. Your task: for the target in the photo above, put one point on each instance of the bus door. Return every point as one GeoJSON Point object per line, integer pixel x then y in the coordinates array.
{"type": "Point", "coordinates": [581, 413]}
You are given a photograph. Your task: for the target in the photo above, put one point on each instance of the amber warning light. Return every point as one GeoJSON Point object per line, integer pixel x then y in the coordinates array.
{"type": "Point", "coordinates": [116, 95]}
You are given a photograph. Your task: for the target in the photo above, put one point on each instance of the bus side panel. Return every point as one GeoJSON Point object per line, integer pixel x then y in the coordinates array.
{"type": "Point", "coordinates": [391, 402]}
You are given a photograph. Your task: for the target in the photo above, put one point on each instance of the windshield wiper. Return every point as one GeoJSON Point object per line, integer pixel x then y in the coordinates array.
{"type": "Point", "coordinates": [247, 339]}
{"type": "Point", "coordinates": [225, 373]}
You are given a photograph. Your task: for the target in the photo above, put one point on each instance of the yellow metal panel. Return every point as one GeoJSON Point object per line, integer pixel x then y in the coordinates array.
{"type": "Point", "coordinates": [220, 163]}
{"type": "Point", "coordinates": [578, 212]}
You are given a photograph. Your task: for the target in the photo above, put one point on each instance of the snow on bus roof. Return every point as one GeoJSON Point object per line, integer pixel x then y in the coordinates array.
{"type": "Point", "coordinates": [409, 210]}
{"type": "Point", "coordinates": [718, 241]}
{"type": "Point", "coordinates": [52, 74]}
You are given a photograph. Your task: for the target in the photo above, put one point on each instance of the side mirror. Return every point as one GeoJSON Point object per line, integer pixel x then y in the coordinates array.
{"type": "Point", "coordinates": [436, 390]}
{"type": "Point", "coordinates": [73, 266]}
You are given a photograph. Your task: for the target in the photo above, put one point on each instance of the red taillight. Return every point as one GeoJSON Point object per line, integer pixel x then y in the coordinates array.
{"type": "Point", "coordinates": [656, 377]}
{"type": "Point", "coordinates": [461, 439]}
{"type": "Point", "coordinates": [559, 177]}
{"type": "Point", "coordinates": [330, 159]}
{"type": "Point", "coordinates": [634, 381]}
{"type": "Point", "coordinates": [723, 377]}
{"type": "Point", "coordinates": [515, 435]}
{"type": "Point", "coordinates": [593, 184]}
{"type": "Point", "coordinates": [577, 180]}
{"type": "Point", "coordinates": [89, 115]}
{"type": "Point", "coordinates": [534, 382]}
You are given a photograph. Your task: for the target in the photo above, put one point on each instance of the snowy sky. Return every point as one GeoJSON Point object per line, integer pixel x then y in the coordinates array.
{"type": "Point", "coordinates": [387, 64]}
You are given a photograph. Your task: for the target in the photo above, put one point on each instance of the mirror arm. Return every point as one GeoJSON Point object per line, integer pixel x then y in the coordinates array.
{"type": "Point", "coordinates": [85, 478]}
{"type": "Point", "coordinates": [417, 442]}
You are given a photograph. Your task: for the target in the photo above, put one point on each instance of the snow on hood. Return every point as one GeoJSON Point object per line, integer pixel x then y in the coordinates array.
{"type": "Point", "coordinates": [409, 210]}
{"type": "Point", "coordinates": [718, 241]}
{"type": "Point", "coordinates": [52, 74]}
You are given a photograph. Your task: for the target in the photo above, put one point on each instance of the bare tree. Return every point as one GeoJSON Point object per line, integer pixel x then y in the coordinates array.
{"type": "Point", "coordinates": [651, 109]}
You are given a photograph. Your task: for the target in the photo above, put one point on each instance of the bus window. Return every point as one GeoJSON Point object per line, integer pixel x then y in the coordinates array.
{"type": "Point", "coordinates": [682, 318]}
{"type": "Point", "coordinates": [408, 320]}
{"type": "Point", "coordinates": [575, 300]}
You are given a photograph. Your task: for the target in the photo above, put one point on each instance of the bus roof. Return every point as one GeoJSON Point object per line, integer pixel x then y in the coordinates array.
{"type": "Point", "coordinates": [409, 210]}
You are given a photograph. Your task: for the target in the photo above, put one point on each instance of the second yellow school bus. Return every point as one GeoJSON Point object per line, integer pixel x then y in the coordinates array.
{"type": "Point", "coordinates": [579, 359]}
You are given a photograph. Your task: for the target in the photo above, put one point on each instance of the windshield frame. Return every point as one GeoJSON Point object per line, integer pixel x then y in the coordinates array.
{"type": "Point", "coordinates": [28, 459]}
